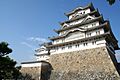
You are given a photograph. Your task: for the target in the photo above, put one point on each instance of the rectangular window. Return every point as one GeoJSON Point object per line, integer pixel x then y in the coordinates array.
{"type": "Point", "coordinates": [94, 24]}
{"type": "Point", "coordinates": [63, 40]}
{"type": "Point", "coordinates": [85, 44]}
{"type": "Point", "coordinates": [89, 34]}
{"type": "Point", "coordinates": [97, 32]}
{"type": "Point", "coordinates": [94, 42]}
{"type": "Point", "coordinates": [69, 46]}
{"type": "Point", "coordinates": [63, 48]}
{"type": "Point", "coordinates": [77, 45]}
{"type": "Point", "coordinates": [56, 48]}
{"type": "Point", "coordinates": [57, 41]}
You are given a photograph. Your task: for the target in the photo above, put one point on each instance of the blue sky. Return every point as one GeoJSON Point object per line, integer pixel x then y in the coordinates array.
{"type": "Point", "coordinates": [26, 23]}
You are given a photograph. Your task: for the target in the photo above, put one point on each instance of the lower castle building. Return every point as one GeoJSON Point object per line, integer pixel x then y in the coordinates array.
{"type": "Point", "coordinates": [83, 50]}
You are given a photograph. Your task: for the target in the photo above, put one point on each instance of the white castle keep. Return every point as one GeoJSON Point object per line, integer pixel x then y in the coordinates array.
{"type": "Point", "coordinates": [84, 29]}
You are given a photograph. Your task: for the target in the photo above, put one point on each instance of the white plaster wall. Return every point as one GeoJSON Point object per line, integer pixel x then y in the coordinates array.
{"type": "Point", "coordinates": [93, 33]}
{"type": "Point", "coordinates": [90, 25]}
{"type": "Point", "coordinates": [31, 65]}
{"type": "Point", "coordinates": [76, 22]}
{"type": "Point", "coordinates": [99, 43]}
{"type": "Point", "coordinates": [74, 36]}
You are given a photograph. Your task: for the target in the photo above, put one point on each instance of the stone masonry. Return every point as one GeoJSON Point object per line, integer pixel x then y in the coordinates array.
{"type": "Point", "coordinates": [91, 64]}
{"type": "Point", "coordinates": [31, 72]}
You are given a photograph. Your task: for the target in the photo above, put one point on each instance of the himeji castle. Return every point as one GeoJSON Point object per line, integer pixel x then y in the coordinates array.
{"type": "Point", "coordinates": [86, 35]}
{"type": "Point", "coordinates": [84, 29]}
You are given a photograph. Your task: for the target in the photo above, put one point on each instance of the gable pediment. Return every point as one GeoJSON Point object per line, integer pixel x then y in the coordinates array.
{"type": "Point", "coordinates": [88, 18]}
{"type": "Point", "coordinates": [81, 30]}
{"type": "Point", "coordinates": [75, 34]}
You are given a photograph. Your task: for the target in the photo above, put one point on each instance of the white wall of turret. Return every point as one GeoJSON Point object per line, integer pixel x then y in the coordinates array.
{"type": "Point", "coordinates": [42, 57]}
{"type": "Point", "coordinates": [42, 54]}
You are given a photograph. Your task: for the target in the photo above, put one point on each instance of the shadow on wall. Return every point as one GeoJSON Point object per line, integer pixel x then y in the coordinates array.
{"type": "Point", "coordinates": [46, 71]}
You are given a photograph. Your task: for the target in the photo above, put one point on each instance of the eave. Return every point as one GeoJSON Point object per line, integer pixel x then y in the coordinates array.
{"type": "Point", "coordinates": [111, 39]}
{"type": "Point", "coordinates": [31, 62]}
{"type": "Point", "coordinates": [95, 12]}
{"type": "Point", "coordinates": [100, 18]}
{"type": "Point", "coordinates": [90, 29]}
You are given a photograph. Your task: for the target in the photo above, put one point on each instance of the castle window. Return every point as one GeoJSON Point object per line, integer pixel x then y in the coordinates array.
{"type": "Point", "coordinates": [88, 19]}
{"type": "Point", "coordinates": [63, 40]}
{"type": "Point", "coordinates": [56, 48]}
{"type": "Point", "coordinates": [89, 34]}
{"type": "Point", "coordinates": [85, 44]}
{"type": "Point", "coordinates": [84, 12]}
{"type": "Point", "coordinates": [86, 27]}
{"type": "Point", "coordinates": [76, 15]}
{"type": "Point", "coordinates": [69, 46]}
{"type": "Point", "coordinates": [94, 24]}
{"type": "Point", "coordinates": [63, 48]}
{"type": "Point", "coordinates": [77, 45]}
{"type": "Point", "coordinates": [94, 42]}
{"type": "Point", "coordinates": [97, 32]}
{"type": "Point", "coordinates": [57, 41]}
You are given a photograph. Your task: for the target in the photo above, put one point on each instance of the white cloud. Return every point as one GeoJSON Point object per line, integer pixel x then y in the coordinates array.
{"type": "Point", "coordinates": [33, 42]}
{"type": "Point", "coordinates": [28, 45]}
{"type": "Point", "coordinates": [37, 39]}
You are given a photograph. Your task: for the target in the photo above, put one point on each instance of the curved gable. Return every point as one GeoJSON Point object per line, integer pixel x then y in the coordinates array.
{"type": "Point", "coordinates": [74, 34]}
{"type": "Point", "coordinates": [88, 18]}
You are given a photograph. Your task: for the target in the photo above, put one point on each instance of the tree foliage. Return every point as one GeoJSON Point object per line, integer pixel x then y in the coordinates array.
{"type": "Point", "coordinates": [111, 1]}
{"type": "Point", "coordinates": [4, 49]}
{"type": "Point", "coordinates": [7, 65]}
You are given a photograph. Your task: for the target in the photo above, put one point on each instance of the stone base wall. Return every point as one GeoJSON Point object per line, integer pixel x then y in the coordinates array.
{"type": "Point", "coordinates": [91, 64]}
{"type": "Point", "coordinates": [31, 73]}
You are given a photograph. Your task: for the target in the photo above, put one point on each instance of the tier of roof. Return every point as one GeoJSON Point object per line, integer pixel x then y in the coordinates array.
{"type": "Point", "coordinates": [81, 8]}
{"type": "Point", "coordinates": [106, 35]}
{"type": "Point", "coordinates": [96, 27]}
{"type": "Point", "coordinates": [75, 41]}
{"type": "Point", "coordinates": [100, 18]}
{"type": "Point", "coordinates": [95, 12]}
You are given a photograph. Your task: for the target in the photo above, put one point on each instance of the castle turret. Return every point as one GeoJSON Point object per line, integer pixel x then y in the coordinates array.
{"type": "Point", "coordinates": [42, 53]}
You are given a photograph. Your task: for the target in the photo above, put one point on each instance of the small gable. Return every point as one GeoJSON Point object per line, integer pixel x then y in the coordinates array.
{"type": "Point", "coordinates": [88, 18]}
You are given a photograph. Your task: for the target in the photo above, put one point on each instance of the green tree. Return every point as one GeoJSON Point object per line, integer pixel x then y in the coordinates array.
{"type": "Point", "coordinates": [7, 65]}
{"type": "Point", "coordinates": [111, 2]}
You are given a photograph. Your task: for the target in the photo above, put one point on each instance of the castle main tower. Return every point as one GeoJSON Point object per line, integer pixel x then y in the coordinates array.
{"type": "Point", "coordinates": [84, 48]}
